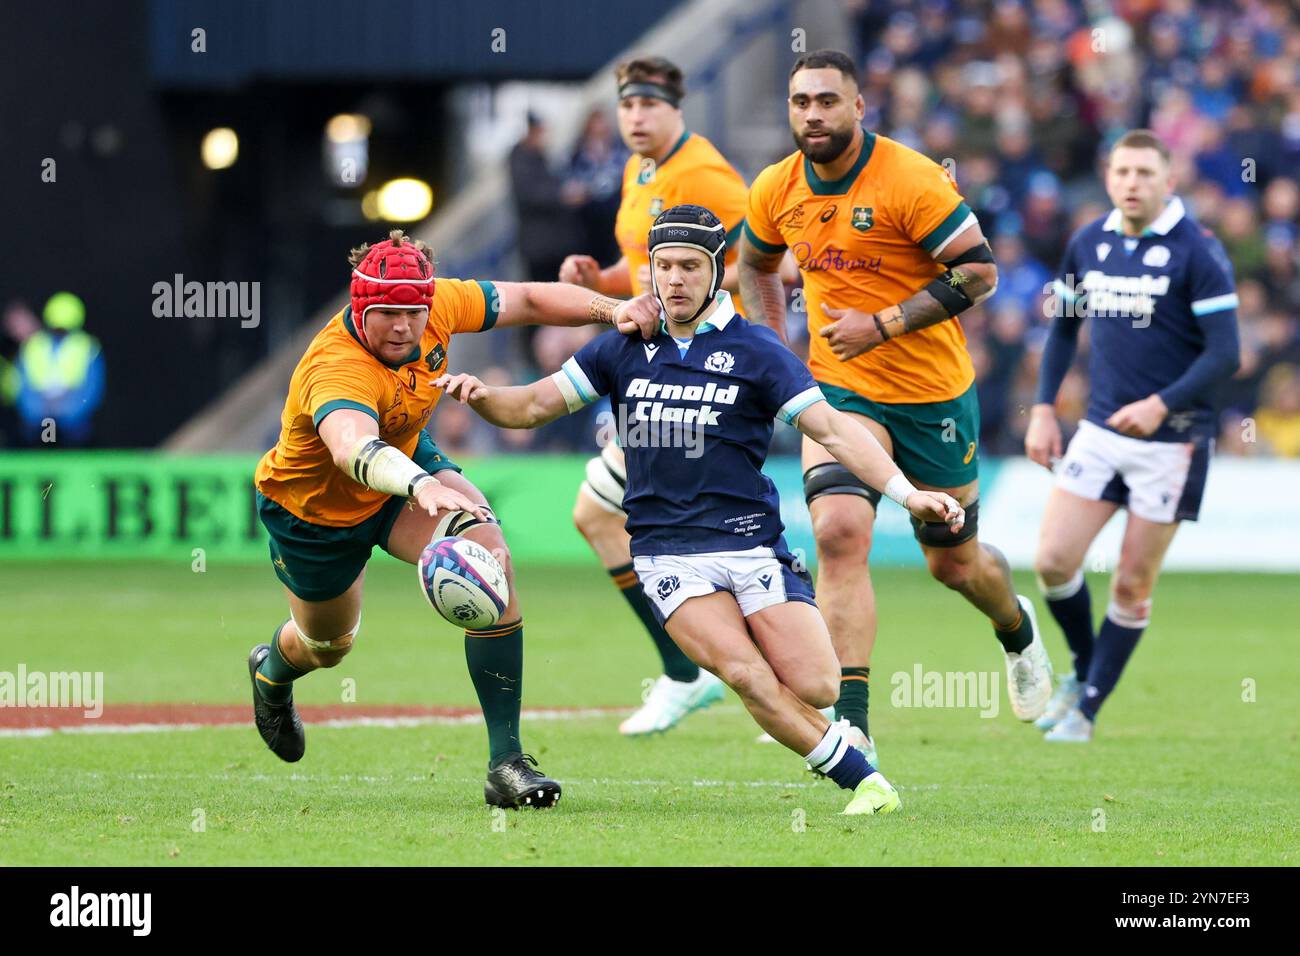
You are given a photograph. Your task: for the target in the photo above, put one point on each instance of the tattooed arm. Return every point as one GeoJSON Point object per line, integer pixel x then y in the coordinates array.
{"type": "Point", "coordinates": [855, 332]}
{"type": "Point", "coordinates": [559, 303]}
{"type": "Point", "coordinates": [761, 286]}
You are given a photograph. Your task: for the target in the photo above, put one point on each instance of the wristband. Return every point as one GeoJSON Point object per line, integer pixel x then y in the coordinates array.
{"type": "Point", "coordinates": [880, 327]}
{"type": "Point", "coordinates": [899, 489]}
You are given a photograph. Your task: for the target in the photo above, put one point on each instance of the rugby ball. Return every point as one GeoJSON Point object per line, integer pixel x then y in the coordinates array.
{"type": "Point", "coordinates": [463, 582]}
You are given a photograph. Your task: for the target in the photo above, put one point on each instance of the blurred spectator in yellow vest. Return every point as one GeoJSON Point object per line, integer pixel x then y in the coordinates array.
{"type": "Point", "coordinates": [1278, 417]}
{"type": "Point", "coordinates": [60, 376]}
{"type": "Point", "coordinates": [19, 324]}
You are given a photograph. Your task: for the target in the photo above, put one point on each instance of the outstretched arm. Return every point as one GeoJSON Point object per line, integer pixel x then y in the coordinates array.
{"type": "Point", "coordinates": [585, 271]}
{"type": "Point", "coordinates": [515, 406]}
{"type": "Point", "coordinates": [352, 438]}
{"type": "Point", "coordinates": [559, 303]}
{"type": "Point", "coordinates": [857, 449]}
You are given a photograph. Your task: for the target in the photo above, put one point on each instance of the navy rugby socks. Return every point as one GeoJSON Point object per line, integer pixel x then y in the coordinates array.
{"type": "Point", "coordinates": [1071, 605]}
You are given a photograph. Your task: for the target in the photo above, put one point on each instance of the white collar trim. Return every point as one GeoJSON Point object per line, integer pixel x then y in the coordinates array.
{"type": "Point", "coordinates": [723, 314]}
{"type": "Point", "coordinates": [1169, 217]}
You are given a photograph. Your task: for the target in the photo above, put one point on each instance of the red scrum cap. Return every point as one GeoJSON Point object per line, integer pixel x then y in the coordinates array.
{"type": "Point", "coordinates": [393, 275]}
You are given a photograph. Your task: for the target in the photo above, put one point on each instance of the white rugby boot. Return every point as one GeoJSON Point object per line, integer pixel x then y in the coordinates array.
{"type": "Point", "coordinates": [669, 701]}
{"type": "Point", "coordinates": [1074, 728]}
{"type": "Point", "coordinates": [1068, 693]}
{"type": "Point", "coordinates": [1029, 673]}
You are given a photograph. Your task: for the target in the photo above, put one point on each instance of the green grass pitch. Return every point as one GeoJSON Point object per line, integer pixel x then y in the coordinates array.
{"type": "Point", "coordinates": [1186, 768]}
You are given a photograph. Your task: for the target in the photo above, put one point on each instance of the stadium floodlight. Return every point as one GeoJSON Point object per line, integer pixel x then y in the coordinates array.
{"type": "Point", "coordinates": [405, 200]}
{"type": "Point", "coordinates": [347, 149]}
{"type": "Point", "coordinates": [347, 128]}
{"type": "Point", "coordinates": [220, 148]}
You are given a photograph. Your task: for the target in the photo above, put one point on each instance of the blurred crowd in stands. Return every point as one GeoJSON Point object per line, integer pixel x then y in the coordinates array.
{"type": "Point", "coordinates": [1022, 100]}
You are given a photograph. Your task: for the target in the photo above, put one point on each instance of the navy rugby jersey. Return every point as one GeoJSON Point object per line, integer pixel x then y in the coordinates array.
{"type": "Point", "coordinates": [1163, 310]}
{"type": "Point", "coordinates": [721, 394]}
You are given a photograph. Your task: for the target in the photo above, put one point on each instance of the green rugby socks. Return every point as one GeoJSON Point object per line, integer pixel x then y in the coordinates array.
{"type": "Point", "coordinates": [855, 691]}
{"type": "Point", "coordinates": [495, 657]}
{"type": "Point", "coordinates": [275, 675]}
{"type": "Point", "coordinates": [1020, 635]}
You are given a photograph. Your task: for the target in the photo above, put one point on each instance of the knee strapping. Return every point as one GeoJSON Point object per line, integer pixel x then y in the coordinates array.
{"type": "Point", "coordinates": [456, 523]}
{"type": "Point", "coordinates": [342, 642]}
{"type": "Point", "coordinates": [935, 534]}
{"type": "Point", "coordinates": [606, 481]}
{"type": "Point", "coordinates": [832, 478]}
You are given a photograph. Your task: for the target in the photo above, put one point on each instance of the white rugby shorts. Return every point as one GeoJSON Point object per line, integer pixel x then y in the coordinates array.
{"type": "Point", "coordinates": [1156, 480]}
{"type": "Point", "coordinates": [758, 578]}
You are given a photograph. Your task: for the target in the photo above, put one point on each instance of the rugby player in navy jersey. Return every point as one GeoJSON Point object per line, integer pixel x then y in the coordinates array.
{"type": "Point", "coordinates": [1159, 290]}
{"type": "Point", "coordinates": [695, 407]}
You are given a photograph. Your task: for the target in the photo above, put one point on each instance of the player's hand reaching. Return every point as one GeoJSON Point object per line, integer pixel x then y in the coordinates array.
{"type": "Point", "coordinates": [643, 276]}
{"type": "Point", "coordinates": [463, 387]}
{"type": "Point", "coordinates": [638, 315]}
{"type": "Point", "coordinates": [1141, 418]}
{"type": "Point", "coordinates": [852, 333]}
{"type": "Point", "coordinates": [433, 496]}
{"type": "Point", "coordinates": [581, 270]}
{"type": "Point", "coordinates": [937, 506]}
{"type": "Point", "coordinates": [1043, 437]}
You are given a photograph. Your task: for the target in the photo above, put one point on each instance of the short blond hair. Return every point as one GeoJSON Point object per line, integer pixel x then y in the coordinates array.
{"type": "Point", "coordinates": [396, 237]}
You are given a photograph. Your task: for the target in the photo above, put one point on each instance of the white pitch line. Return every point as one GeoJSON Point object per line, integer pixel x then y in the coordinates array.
{"type": "Point", "coordinates": [467, 781]}
{"type": "Point", "coordinates": [422, 720]}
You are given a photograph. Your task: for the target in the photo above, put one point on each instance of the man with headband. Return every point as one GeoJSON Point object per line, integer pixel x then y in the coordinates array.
{"type": "Point", "coordinates": [696, 406]}
{"type": "Point", "coordinates": [354, 468]}
{"type": "Point", "coordinates": [669, 165]}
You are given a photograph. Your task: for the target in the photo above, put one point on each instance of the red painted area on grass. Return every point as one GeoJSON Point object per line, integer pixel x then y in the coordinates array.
{"type": "Point", "coordinates": [211, 715]}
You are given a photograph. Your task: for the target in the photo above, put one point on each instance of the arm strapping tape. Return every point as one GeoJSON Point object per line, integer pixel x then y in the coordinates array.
{"type": "Point", "coordinates": [378, 465]}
